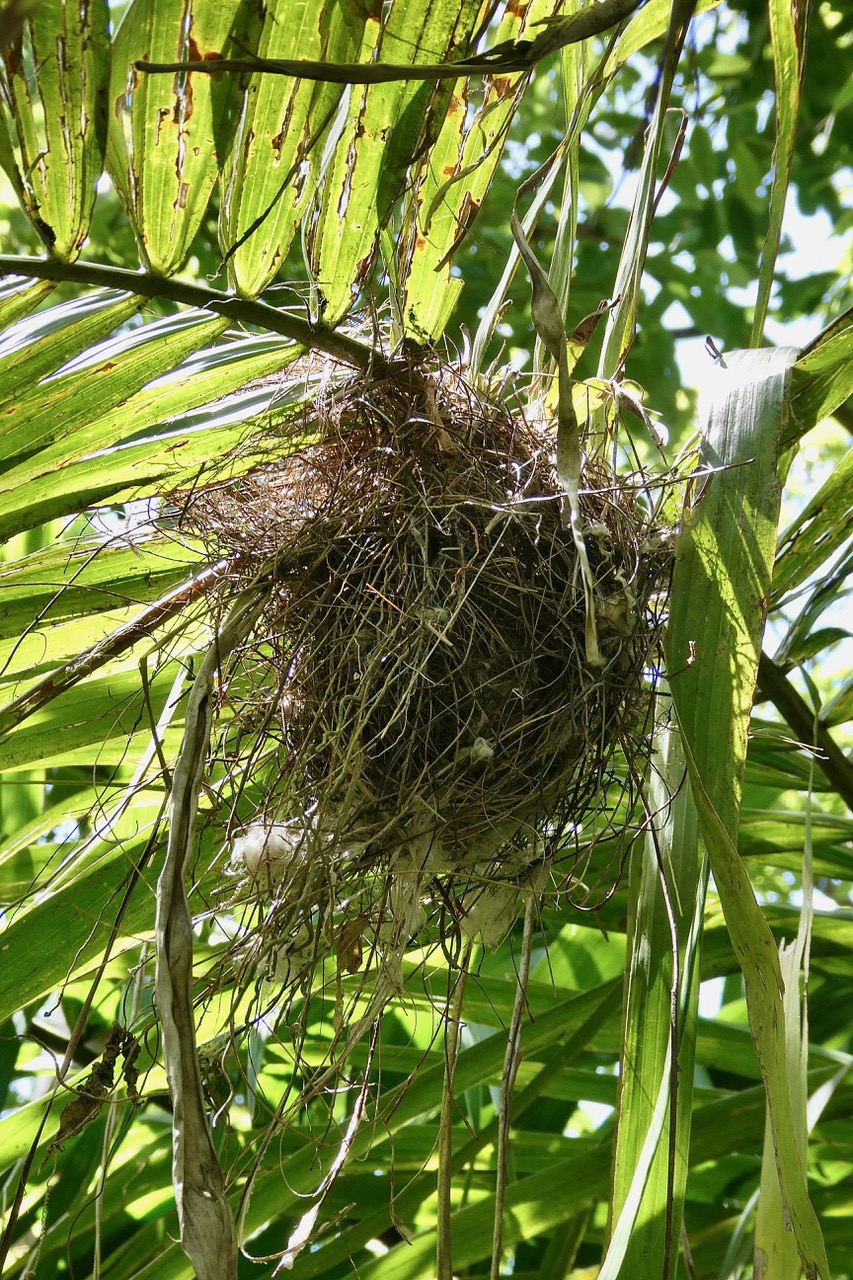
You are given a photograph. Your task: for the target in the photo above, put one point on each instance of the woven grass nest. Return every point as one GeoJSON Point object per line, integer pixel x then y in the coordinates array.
{"type": "Point", "coordinates": [416, 706]}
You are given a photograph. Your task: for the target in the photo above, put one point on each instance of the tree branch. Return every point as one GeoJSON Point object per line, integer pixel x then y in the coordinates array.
{"type": "Point", "coordinates": [208, 1235]}
{"type": "Point", "coordinates": [240, 310]}
{"type": "Point", "coordinates": [775, 686]}
{"type": "Point", "coordinates": [112, 646]}
{"type": "Point", "coordinates": [511, 57]}
{"type": "Point", "coordinates": [502, 60]}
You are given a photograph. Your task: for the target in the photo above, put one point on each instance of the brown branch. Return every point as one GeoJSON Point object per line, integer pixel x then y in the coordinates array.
{"type": "Point", "coordinates": [775, 686]}
{"type": "Point", "coordinates": [505, 59]}
{"type": "Point", "coordinates": [240, 310]}
{"type": "Point", "coordinates": [77, 668]}
{"type": "Point", "coordinates": [444, 1207]}
{"type": "Point", "coordinates": [512, 1061]}
{"type": "Point", "coordinates": [208, 1235]}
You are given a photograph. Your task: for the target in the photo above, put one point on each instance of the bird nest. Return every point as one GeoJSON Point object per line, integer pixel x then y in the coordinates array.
{"type": "Point", "coordinates": [415, 704]}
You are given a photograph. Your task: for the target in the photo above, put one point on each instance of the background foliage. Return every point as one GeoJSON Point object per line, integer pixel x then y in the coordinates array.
{"type": "Point", "coordinates": [395, 201]}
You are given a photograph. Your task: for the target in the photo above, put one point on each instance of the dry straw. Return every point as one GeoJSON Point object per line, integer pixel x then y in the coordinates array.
{"type": "Point", "coordinates": [413, 724]}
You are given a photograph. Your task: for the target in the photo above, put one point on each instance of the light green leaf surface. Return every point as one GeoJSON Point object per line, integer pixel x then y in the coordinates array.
{"type": "Point", "coordinates": [385, 126]}
{"type": "Point", "coordinates": [102, 722]}
{"type": "Point", "coordinates": [38, 348]}
{"type": "Point", "coordinates": [788, 25]}
{"type": "Point", "coordinates": [105, 380]}
{"type": "Point", "coordinates": [822, 378]}
{"type": "Point", "coordinates": [447, 194]}
{"type": "Point", "coordinates": [724, 559]}
{"type": "Point", "coordinates": [775, 1249]}
{"type": "Point", "coordinates": [18, 300]}
{"type": "Point", "coordinates": [72, 926]}
{"type": "Point", "coordinates": [667, 895]}
{"type": "Point", "coordinates": [168, 135]}
{"type": "Point", "coordinates": [59, 583]}
{"type": "Point", "coordinates": [274, 165]}
{"type": "Point", "coordinates": [62, 478]}
{"type": "Point", "coordinates": [56, 86]}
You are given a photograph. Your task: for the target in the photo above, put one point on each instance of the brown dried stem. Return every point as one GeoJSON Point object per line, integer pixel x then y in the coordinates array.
{"type": "Point", "coordinates": [504, 59]}
{"type": "Point", "coordinates": [207, 1224]}
{"type": "Point", "coordinates": [512, 1061]}
{"type": "Point", "coordinates": [444, 1240]}
{"type": "Point", "coordinates": [243, 311]}
{"type": "Point", "coordinates": [118, 642]}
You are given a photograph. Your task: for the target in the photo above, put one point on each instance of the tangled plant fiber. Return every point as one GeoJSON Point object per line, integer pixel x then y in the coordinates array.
{"type": "Point", "coordinates": [415, 705]}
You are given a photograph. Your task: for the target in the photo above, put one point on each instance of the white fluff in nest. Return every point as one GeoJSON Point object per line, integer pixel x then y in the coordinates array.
{"type": "Point", "coordinates": [491, 915]}
{"type": "Point", "coordinates": [269, 852]}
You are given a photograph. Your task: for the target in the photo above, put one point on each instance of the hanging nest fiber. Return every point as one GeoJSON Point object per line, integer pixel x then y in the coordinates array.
{"type": "Point", "coordinates": [416, 700]}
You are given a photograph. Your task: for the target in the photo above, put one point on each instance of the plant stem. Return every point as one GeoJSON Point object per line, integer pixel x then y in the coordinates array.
{"type": "Point", "coordinates": [240, 310]}
{"type": "Point", "coordinates": [775, 686]}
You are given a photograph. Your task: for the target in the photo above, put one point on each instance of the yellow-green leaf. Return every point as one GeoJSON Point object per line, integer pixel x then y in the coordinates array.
{"type": "Point", "coordinates": [385, 127]}
{"type": "Point", "coordinates": [720, 591]}
{"type": "Point", "coordinates": [274, 166]}
{"type": "Point", "coordinates": [168, 135]}
{"type": "Point", "coordinates": [53, 149]}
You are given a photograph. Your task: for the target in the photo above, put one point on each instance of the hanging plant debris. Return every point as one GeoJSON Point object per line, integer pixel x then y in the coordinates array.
{"type": "Point", "coordinates": [415, 706]}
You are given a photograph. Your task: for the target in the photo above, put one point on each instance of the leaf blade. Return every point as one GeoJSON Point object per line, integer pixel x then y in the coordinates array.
{"type": "Point", "coordinates": [59, 110]}
{"type": "Point", "coordinates": [720, 590]}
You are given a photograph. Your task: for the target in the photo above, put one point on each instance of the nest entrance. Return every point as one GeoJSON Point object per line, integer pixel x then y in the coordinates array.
{"type": "Point", "coordinates": [417, 691]}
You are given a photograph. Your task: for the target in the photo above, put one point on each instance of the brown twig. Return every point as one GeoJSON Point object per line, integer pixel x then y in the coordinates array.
{"type": "Point", "coordinates": [775, 686]}
{"type": "Point", "coordinates": [512, 1062]}
{"type": "Point", "coordinates": [444, 1246]}
{"type": "Point", "coordinates": [508, 58]}
{"type": "Point", "coordinates": [240, 310]}
{"type": "Point", "coordinates": [207, 1223]}
{"type": "Point", "coordinates": [125, 637]}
